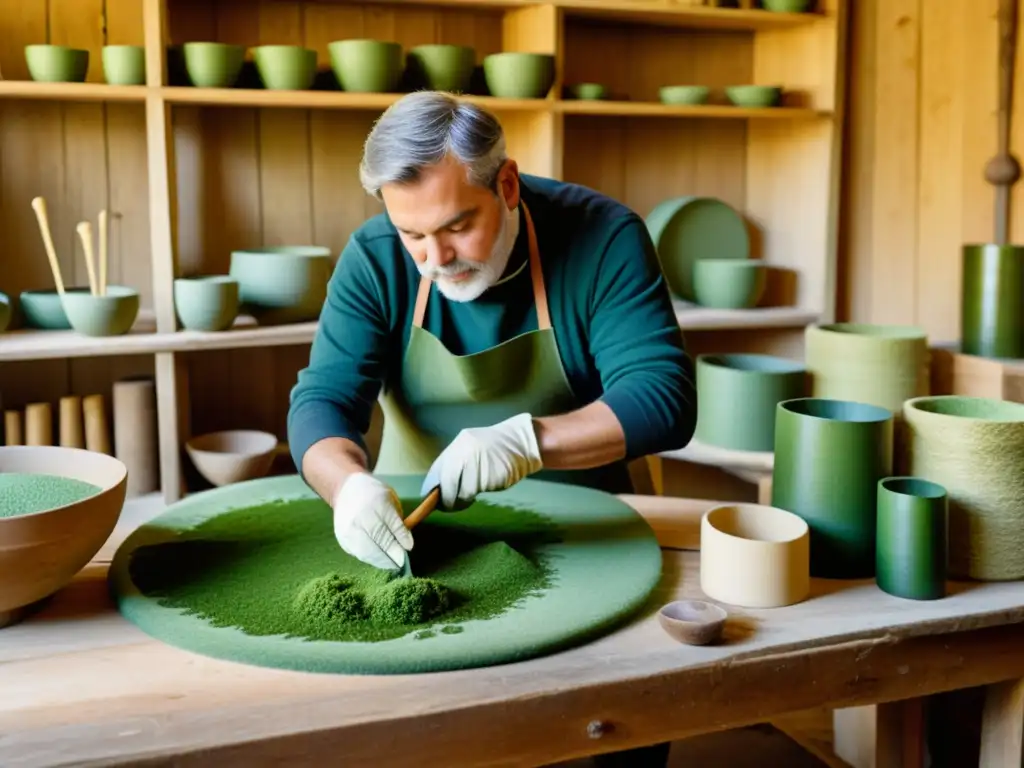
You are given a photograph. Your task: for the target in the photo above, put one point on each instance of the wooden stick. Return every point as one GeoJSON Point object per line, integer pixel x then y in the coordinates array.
{"type": "Point", "coordinates": [424, 509]}
{"type": "Point", "coordinates": [104, 224]}
{"type": "Point", "coordinates": [84, 230]}
{"type": "Point", "coordinates": [1003, 170]}
{"type": "Point", "coordinates": [39, 206]}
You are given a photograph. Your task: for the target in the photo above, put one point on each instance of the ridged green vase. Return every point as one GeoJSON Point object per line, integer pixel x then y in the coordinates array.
{"type": "Point", "coordinates": [992, 301]}
{"type": "Point", "coordinates": [829, 457]}
{"type": "Point", "coordinates": [912, 539]}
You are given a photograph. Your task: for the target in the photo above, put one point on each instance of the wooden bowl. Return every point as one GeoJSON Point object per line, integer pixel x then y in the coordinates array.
{"type": "Point", "coordinates": [40, 552]}
{"type": "Point", "coordinates": [694, 622]}
{"type": "Point", "coordinates": [233, 455]}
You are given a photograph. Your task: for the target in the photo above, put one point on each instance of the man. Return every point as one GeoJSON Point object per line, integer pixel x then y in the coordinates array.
{"type": "Point", "coordinates": [510, 325]}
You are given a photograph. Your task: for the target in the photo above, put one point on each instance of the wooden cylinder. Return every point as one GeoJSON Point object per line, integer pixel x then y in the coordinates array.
{"type": "Point", "coordinates": [97, 434]}
{"type": "Point", "coordinates": [38, 424]}
{"type": "Point", "coordinates": [12, 428]}
{"type": "Point", "coordinates": [135, 433]}
{"type": "Point", "coordinates": [72, 430]}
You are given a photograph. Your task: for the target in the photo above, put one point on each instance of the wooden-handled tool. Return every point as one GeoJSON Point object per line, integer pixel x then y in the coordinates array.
{"type": "Point", "coordinates": [84, 230]}
{"type": "Point", "coordinates": [1003, 170]}
{"type": "Point", "coordinates": [424, 509]}
{"type": "Point", "coordinates": [42, 216]}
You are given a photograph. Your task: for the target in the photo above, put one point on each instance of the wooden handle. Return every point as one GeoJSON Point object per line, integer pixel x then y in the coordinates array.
{"type": "Point", "coordinates": [84, 230]}
{"type": "Point", "coordinates": [104, 227]}
{"type": "Point", "coordinates": [39, 206]}
{"type": "Point", "coordinates": [423, 509]}
{"type": "Point", "coordinates": [1007, 59]}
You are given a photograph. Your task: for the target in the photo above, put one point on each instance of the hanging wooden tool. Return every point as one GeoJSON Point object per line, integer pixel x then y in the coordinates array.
{"type": "Point", "coordinates": [1003, 170]}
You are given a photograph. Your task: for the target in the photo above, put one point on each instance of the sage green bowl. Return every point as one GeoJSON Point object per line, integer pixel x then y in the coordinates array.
{"type": "Point", "coordinates": [367, 66]}
{"type": "Point", "coordinates": [56, 63]}
{"type": "Point", "coordinates": [113, 314]}
{"type": "Point", "coordinates": [5, 311]}
{"type": "Point", "coordinates": [683, 94]}
{"type": "Point", "coordinates": [787, 6]}
{"type": "Point", "coordinates": [729, 283]}
{"type": "Point", "coordinates": [124, 64]}
{"type": "Point", "coordinates": [206, 302]}
{"type": "Point", "coordinates": [517, 75]}
{"type": "Point", "coordinates": [283, 284]}
{"type": "Point", "coordinates": [589, 91]}
{"type": "Point", "coordinates": [443, 67]}
{"type": "Point", "coordinates": [285, 67]}
{"type": "Point", "coordinates": [754, 96]}
{"type": "Point", "coordinates": [213, 65]}
{"type": "Point", "coordinates": [43, 309]}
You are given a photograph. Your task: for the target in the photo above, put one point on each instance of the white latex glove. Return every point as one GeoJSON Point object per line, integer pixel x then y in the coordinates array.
{"type": "Point", "coordinates": [368, 522]}
{"type": "Point", "coordinates": [485, 459]}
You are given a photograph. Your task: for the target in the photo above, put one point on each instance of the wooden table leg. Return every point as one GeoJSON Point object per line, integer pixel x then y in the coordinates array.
{"type": "Point", "coordinates": [888, 735]}
{"type": "Point", "coordinates": [1002, 726]}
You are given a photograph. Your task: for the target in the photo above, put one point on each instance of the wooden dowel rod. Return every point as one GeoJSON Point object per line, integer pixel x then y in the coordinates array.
{"type": "Point", "coordinates": [38, 424]}
{"type": "Point", "coordinates": [13, 434]}
{"type": "Point", "coordinates": [72, 430]}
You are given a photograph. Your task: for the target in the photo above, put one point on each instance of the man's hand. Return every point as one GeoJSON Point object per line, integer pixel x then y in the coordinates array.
{"type": "Point", "coordinates": [368, 522]}
{"type": "Point", "coordinates": [485, 459]}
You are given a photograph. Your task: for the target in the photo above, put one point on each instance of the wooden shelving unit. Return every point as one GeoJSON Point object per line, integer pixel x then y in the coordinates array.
{"type": "Point", "coordinates": [190, 174]}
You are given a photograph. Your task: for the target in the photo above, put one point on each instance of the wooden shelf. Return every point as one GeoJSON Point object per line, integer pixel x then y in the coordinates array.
{"type": "Point", "coordinates": [664, 13]}
{"type": "Point", "coordinates": [258, 97]}
{"type": "Point", "coordinates": [654, 109]}
{"type": "Point", "coordinates": [694, 318]}
{"type": "Point", "coordinates": [29, 89]}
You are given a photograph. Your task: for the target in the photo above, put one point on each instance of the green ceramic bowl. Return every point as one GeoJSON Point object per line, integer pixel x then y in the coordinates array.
{"type": "Point", "coordinates": [516, 75]}
{"type": "Point", "coordinates": [367, 66]}
{"type": "Point", "coordinates": [787, 6]}
{"type": "Point", "coordinates": [110, 315]}
{"type": "Point", "coordinates": [285, 67]}
{"type": "Point", "coordinates": [213, 65]}
{"type": "Point", "coordinates": [589, 91]}
{"type": "Point", "coordinates": [207, 302]}
{"type": "Point", "coordinates": [754, 96]}
{"type": "Point", "coordinates": [683, 94]}
{"type": "Point", "coordinates": [5, 312]}
{"type": "Point", "coordinates": [729, 283]}
{"type": "Point", "coordinates": [124, 64]}
{"type": "Point", "coordinates": [56, 63]}
{"type": "Point", "coordinates": [285, 284]}
{"type": "Point", "coordinates": [443, 67]}
{"type": "Point", "coordinates": [43, 309]}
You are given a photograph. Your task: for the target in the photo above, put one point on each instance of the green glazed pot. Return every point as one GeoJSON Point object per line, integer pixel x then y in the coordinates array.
{"type": "Point", "coordinates": [44, 310]}
{"type": "Point", "coordinates": [285, 67]}
{"type": "Point", "coordinates": [737, 396]}
{"type": "Point", "coordinates": [124, 64]}
{"type": "Point", "coordinates": [589, 91]}
{"type": "Point", "coordinates": [5, 312]}
{"type": "Point", "coordinates": [367, 66]}
{"type": "Point", "coordinates": [829, 457]}
{"type": "Point", "coordinates": [57, 63]}
{"type": "Point", "coordinates": [109, 315]}
{"type": "Point", "coordinates": [517, 75]}
{"type": "Point", "coordinates": [285, 284]}
{"type": "Point", "coordinates": [911, 544]}
{"type": "Point", "coordinates": [787, 6]}
{"type": "Point", "coordinates": [992, 301]}
{"type": "Point", "coordinates": [729, 283]}
{"type": "Point", "coordinates": [683, 94]}
{"type": "Point", "coordinates": [213, 65]}
{"type": "Point", "coordinates": [206, 303]}
{"type": "Point", "coordinates": [974, 448]}
{"type": "Point", "coordinates": [443, 67]}
{"type": "Point", "coordinates": [754, 96]}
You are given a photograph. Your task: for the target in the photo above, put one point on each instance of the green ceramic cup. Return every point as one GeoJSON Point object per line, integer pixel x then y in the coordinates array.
{"type": "Point", "coordinates": [56, 63]}
{"type": "Point", "coordinates": [589, 91]}
{"type": "Point", "coordinates": [43, 309]}
{"type": "Point", "coordinates": [683, 94]}
{"type": "Point", "coordinates": [110, 315]}
{"type": "Point", "coordinates": [787, 6]}
{"type": "Point", "coordinates": [5, 311]}
{"type": "Point", "coordinates": [992, 301]}
{"type": "Point", "coordinates": [213, 65]}
{"type": "Point", "coordinates": [124, 64]}
{"type": "Point", "coordinates": [207, 302]}
{"type": "Point", "coordinates": [729, 283]}
{"type": "Point", "coordinates": [285, 284]}
{"type": "Point", "coordinates": [737, 396]}
{"type": "Point", "coordinates": [754, 96]}
{"type": "Point", "coordinates": [367, 66]}
{"type": "Point", "coordinates": [912, 539]}
{"type": "Point", "coordinates": [829, 457]}
{"type": "Point", "coordinates": [518, 75]}
{"type": "Point", "coordinates": [443, 67]}
{"type": "Point", "coordinates": [285, 67]}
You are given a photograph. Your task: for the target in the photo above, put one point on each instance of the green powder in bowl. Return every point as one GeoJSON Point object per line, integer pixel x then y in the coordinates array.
{"type": "Point", "coordinates": [25, 493]}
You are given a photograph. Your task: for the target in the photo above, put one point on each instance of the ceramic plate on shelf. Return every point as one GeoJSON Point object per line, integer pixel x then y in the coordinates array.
{"type": "Point", "coordinates": [685, 229]}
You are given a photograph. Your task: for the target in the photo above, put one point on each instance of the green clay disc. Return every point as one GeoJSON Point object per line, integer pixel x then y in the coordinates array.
{"type": "Point", "coordinates": [554, 543]}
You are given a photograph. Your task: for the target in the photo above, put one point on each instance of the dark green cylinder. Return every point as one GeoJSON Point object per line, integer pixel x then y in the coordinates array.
{"type": "Point", "coordinates": [912, 539]}
{"type": "Point", "coordinates": [992, 301]}
{"type": "Point", "coordinates": [829, 457]}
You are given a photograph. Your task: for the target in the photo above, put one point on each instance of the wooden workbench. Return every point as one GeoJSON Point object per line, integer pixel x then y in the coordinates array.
{"type": "Point", "coordinates": [80, 685]}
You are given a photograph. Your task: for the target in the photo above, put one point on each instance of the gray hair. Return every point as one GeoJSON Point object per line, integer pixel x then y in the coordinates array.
{"type": "Point", "coordinates": [420, 130]}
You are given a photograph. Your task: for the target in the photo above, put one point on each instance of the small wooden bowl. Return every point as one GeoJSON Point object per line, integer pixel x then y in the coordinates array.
{"type": "Point", "coordinates": [694, 622]}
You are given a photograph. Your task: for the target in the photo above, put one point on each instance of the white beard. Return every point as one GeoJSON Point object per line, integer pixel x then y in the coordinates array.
{"type": "Point", "coordinates": [484, 274]}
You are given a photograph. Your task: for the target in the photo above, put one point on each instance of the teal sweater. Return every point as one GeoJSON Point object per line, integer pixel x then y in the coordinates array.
{"type": "Point", "coordinates": [617, 333]}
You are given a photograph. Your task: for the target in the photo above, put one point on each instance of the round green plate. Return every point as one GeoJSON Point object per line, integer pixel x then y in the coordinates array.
{"type": "Point", "coordinates": [606, 564]}
{"type": "Point", "coordinates": [685, 229]}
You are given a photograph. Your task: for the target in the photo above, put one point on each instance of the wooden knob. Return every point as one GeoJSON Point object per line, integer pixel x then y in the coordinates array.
{"type": "Point", "coordinates": [1002, 171]}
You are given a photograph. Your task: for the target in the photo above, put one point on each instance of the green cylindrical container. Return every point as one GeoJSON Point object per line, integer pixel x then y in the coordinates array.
{"type": "Point", "coordinates": [737, 395]}
{"type": "Point", "coordinates": [829, 457]}
{"type": "Point", "coordinates": [974, 448]}
{"type": "Point", "coordinates": [992, 301]}
{"type": "Point", "coordinates": [911, 543]}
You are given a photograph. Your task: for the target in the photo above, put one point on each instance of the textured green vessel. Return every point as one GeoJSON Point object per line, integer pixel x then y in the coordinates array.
{"type": "Point", "coordinates": [912, 539]}
{"type": "Point", "coordinates": [829, 457]}
{"type": "Point", "coordinates": [992, 293]}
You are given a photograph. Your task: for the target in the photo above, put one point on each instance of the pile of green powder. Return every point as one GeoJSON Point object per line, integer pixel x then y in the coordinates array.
{"type": "Point", "coordinates": [277, 569]}
{"type": "Point", "coordinates": [23, 493]}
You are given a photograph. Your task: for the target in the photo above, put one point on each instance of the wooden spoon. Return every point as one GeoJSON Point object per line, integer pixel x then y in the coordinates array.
{"type": "Point", "coordinates": [1003, 170]}
{"type": "Point", "coordinates": [43, 218]}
